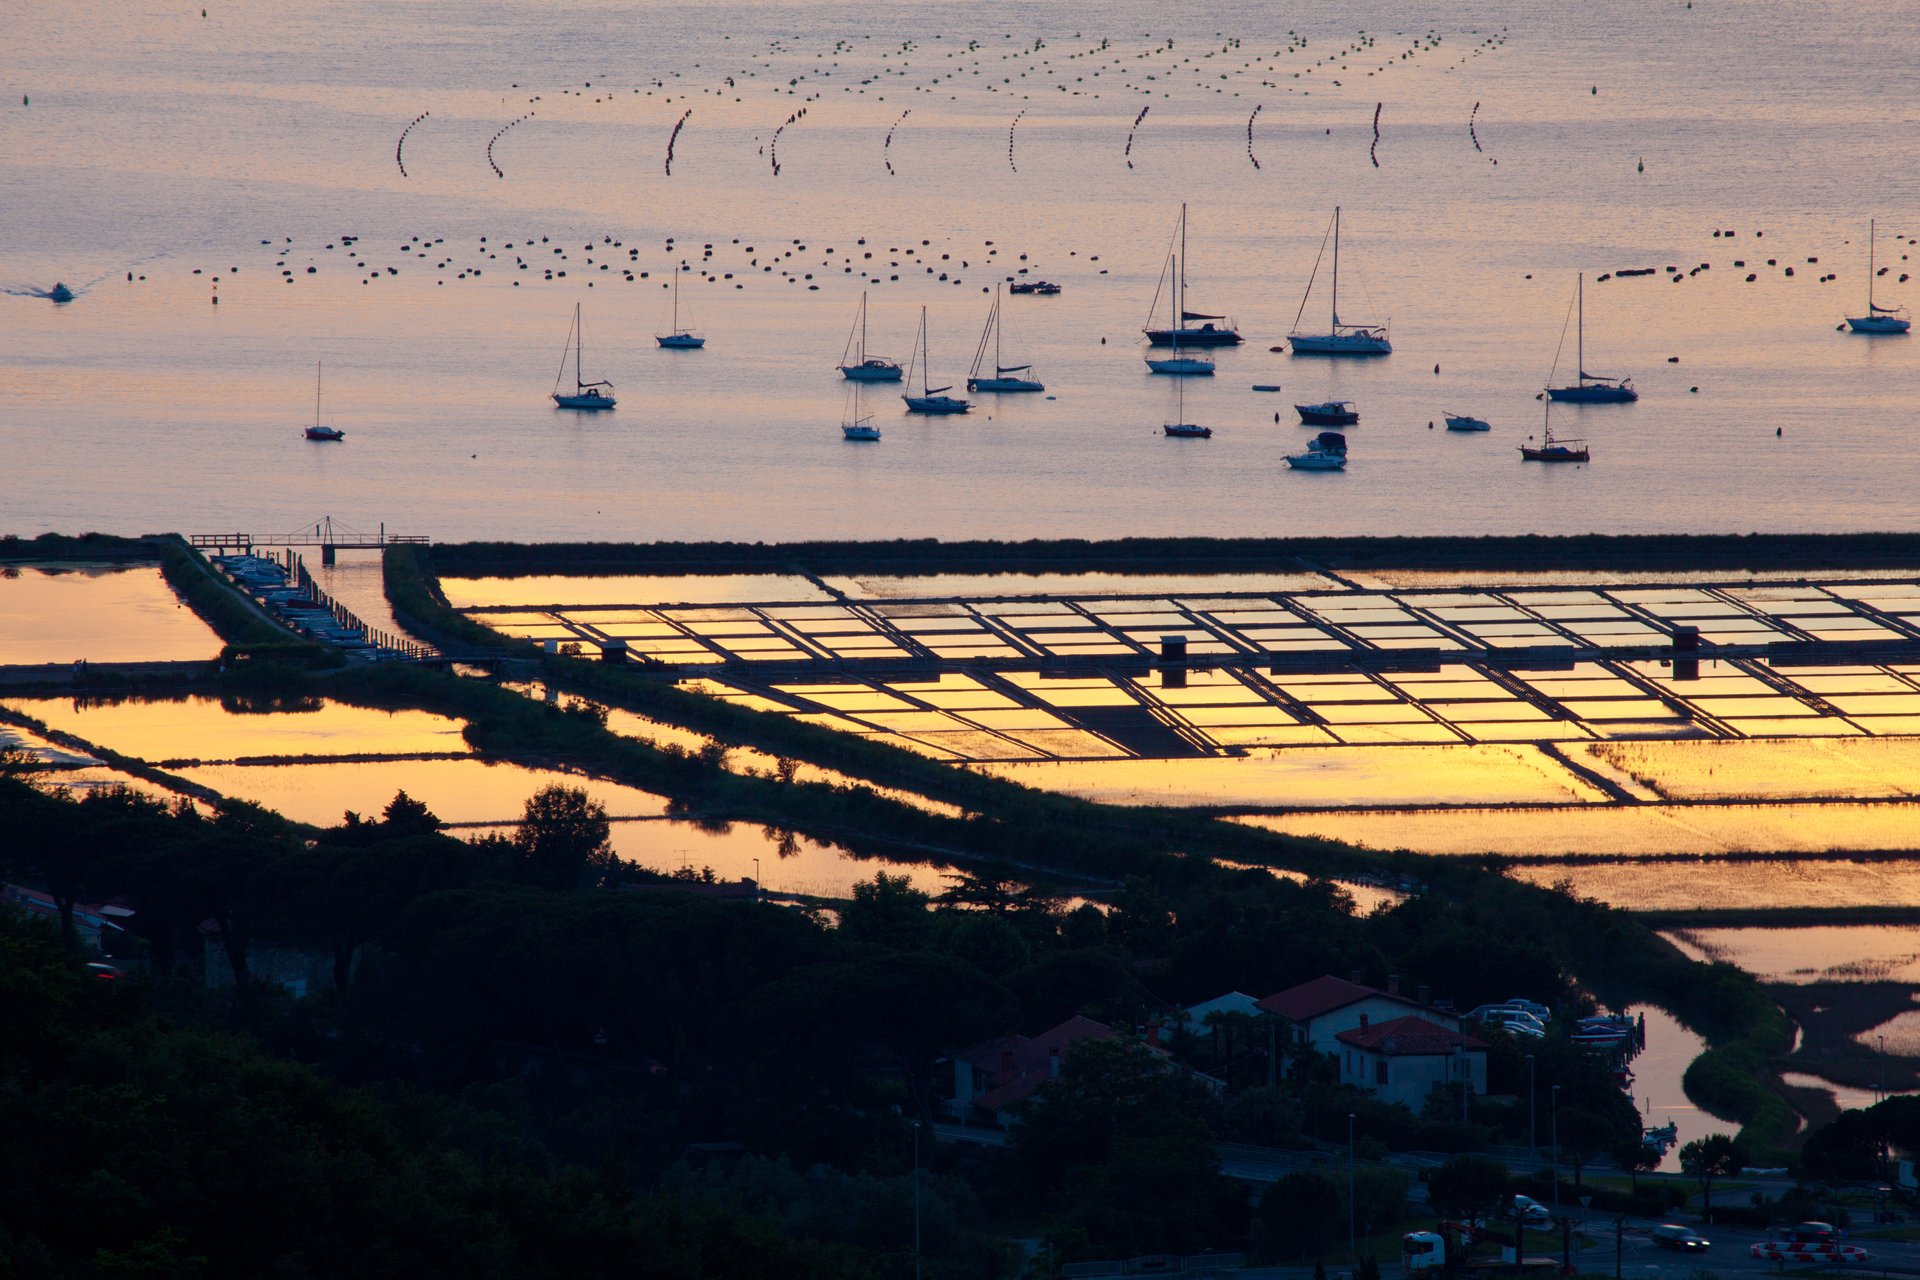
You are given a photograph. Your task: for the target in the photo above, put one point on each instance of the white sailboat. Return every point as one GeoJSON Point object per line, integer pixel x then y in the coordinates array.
{"type": "Point", "coordinates": [855, 426]}
{"type": "Point", "coordinates": [1589, 388]}
{"type": "Point", "coordinates": [1182, 429]}
{"type": "Point", "coordinates": [1878, 319]}
{"type": "Point", "coordinates": [677, 338]}
{"type": "Point", "coordinates": [1341, 338]}
{"type": "Point", "coordinates": [930, 400]}
{"type": "Point", "coordinates": [855, 364]}
{"type": "Point", "coordinates": [317, 431]}
{"type": "Point", "coordinates": [585, 395]}
{"type": "Point", "coordinates": [1183, 332]}
{"type": "Point", "coordinates": [999, 381]}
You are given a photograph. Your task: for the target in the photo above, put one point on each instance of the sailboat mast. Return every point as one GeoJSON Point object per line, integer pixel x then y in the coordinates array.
{"type": "Point", "coordinates": [579, 341]}
{"type": "Point", "coordinates": [863, 326]}
{"type": "Point", "coordinates": [1180, 275]}
{"type": "Point", "coordinates": [1870, 230]}
{"type": "Point", "coordinates": [1336, 266]}
{"type": "Point", "coordinates": [996, 331]}
{"type": "Point", "coordinates": [1580, 328]}
{"type": "Point", "coordinates": [316, 393]}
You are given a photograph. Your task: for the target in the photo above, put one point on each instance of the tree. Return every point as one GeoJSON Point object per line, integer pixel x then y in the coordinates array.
{"type": "Point", "coordinates": [1636, 1156]}
{"type": "Point", "coordinates": [1469, 1188]}
{"type": "Point", "coordinates": [564, 841]}
{"type": "Point", "coordinates": [888, 911]}
{"type": "Point", "coordinates": [1705, 1159]}
{"type": "Point", "coordinates": [1584, 1134]}
{"type": "Point", "coordinates": [1297, 1218]}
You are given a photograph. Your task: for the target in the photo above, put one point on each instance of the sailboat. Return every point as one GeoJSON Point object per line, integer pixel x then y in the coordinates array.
{"type": "Point", "coordinates": [1182, 333]}
{"type": "Point", "coordinates": [855, 364]}
{"type": "Point", "coordinates": [1184, 429]}
{"type": "Point", "coordinates": [930, 399]}
{"type": "Point", "coordinates": [854, 426]}
{"type": "Point", "coordinates": [679, 339]}
{"type": "Point", "coordinates": [585, 395]}
{"type": "Point", "coordinates": [1589, 388]}
{"type": "Point", "coordinates": [1878, 319]}
{"type": "Point", "coordinates": [1340, 339]}
{"type": "Point", "coordinates": [316, 431]}
{"type": "Point", "coordinates": [1551, 449]}
{"type": "Point", "coordinates": [999, 381]}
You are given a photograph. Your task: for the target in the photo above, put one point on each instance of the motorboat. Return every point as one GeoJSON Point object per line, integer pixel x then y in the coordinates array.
{"type": "Point", "coordinates": [855, 425]}
{"type": "Point", "coordinates": [930, 400]}
{"type": "Point", "coordinates": [1042, 288]}
{"type": "Point", "coordinates": [1183, 430]}
{"type": "Point", "coordinates": [1211, 331]}
{"type": "Point", "coordinates": [855, 364]}
{"type": "Point", "coordinates": [1341, 338]}
{"type": "Point", "coordinates": [1005, 377]}
{"type": "Point", "coordinates": [1325, 452]}
{"type": "Point", "coordinates": [1878, 319]}
{"type": "Point", "coordinates": [60, 293]}
{"type": "Point", "coordinates": [585, 395]}
{"type": "Point", "coordinates": [317, 431]}
{"type": "Point", "coordinates": [1329, 413]}
{"type": "Point", "coordinates": [1589, 388]}
{"type": "Point", "coordinates": [676, 338]}
{"type": "Point", "coordinates": [1461, 422]}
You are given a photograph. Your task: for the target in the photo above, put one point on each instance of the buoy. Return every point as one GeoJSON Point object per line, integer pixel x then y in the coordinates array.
{"type": "Point", "coordinates": [1776, 431]}
{"type": "Point", "coordinates": [1436, 368]}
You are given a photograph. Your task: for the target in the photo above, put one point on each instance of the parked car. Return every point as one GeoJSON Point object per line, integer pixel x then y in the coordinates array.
{"type": "Point", "coordinates": [1671, 1235]}
{"type": "Point", "coordinates": [1529, 1212]}
{"type": "Point", "coordinates": [1534, 1007]}
{"type": "Point", "coordinates": [1517, 1021]}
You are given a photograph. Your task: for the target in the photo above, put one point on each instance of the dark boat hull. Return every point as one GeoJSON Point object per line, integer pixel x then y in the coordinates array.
{"type": "Point", "coordinates": [1205, 336]}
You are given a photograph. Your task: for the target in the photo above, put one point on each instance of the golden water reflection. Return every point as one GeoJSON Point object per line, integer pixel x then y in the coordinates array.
{"type": "Point", "coordinates": [1816, 953]}
{"type": "Point", "coordinates": [1617, 830]}
{"type": "Point", "coordinates": [603, 590]}
{"type": "Point", "coordinates": [1689, 885]}
{"type": "Point", "coordinates": [1440, 775]}
{"type": "Point", "coordinates": [61, 613]}
{"type": "Point", "coordinates": [455, 790]}
{"type": "Point", "coordinates": [213, 729]}
{"type": "Point", "coordinates": [1767, 769]}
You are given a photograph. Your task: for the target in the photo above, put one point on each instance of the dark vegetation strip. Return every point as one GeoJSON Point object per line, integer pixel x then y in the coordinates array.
{"type": "Point", "coordinates": [100, 547]}
{"type": "Point", "coordinates": [1618, 956]}
{"type": "Point", "coordinates": [1595, 552]}
{"type": "Point", "coordinates": [1778, 917]}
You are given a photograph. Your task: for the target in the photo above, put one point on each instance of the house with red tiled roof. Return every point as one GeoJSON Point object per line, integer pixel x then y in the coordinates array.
{"type": "Point", "coordinates": [993, 1075]}
{"type": "Point", "coordinates": [1403, 1060]}
{"type": "Point", "coordinates": [1313, 1014]}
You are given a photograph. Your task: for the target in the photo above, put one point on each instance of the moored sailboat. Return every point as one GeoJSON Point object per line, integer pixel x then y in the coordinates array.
{"type": "Point", "coordinates": [931, 399]}
{"type": "Point", "coordinates": [585, 395]}
{"type": "Point", "coordinates": [1000, 381]}
{"type": "Point", "coordinates": [855, 426]}
{"type": "Point", "coordinates": [1589, 388]}
{"type": "Point", "coordinates": [677, 338]}
{"type": "Point", "coordinates": [855, 364]}
{"type": "Point", "coordinates": [1182, 429]}
{"type": "Point", "coordinates": [317, 431]}
{"type": "Point", "coordinates": [1183, 332]}
{"type": "Point", "coordinates": [1878, 319]}
{"type": "Point", "coordinates": [1341, 338]}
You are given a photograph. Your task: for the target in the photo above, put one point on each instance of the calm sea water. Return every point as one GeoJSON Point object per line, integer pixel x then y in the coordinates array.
{"type": "Point", "coordinates": [1626, 132]}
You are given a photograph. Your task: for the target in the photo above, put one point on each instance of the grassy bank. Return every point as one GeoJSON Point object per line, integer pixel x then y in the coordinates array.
{"type": "Point", "coordinates": [103, 547]}
{"type": "Point", "coordinates": [1593, 552]}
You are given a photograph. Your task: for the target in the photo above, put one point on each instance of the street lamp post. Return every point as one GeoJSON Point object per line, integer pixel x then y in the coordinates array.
{"type": "Point", "coordinates": [1533, 1139]}
{"type": "Point", "coordinates": [916, 1200]}
{"type": "Point", "coordinates": [1353, 1248]}
{"type": "Point", "coordinates": [1553, 1120]}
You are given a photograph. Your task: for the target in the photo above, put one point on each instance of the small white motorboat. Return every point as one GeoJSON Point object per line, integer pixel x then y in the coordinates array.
{"type": "Point", "coordinates": [1462, 422]}
{"type": "Point", "coordinates": [1325, 452]}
